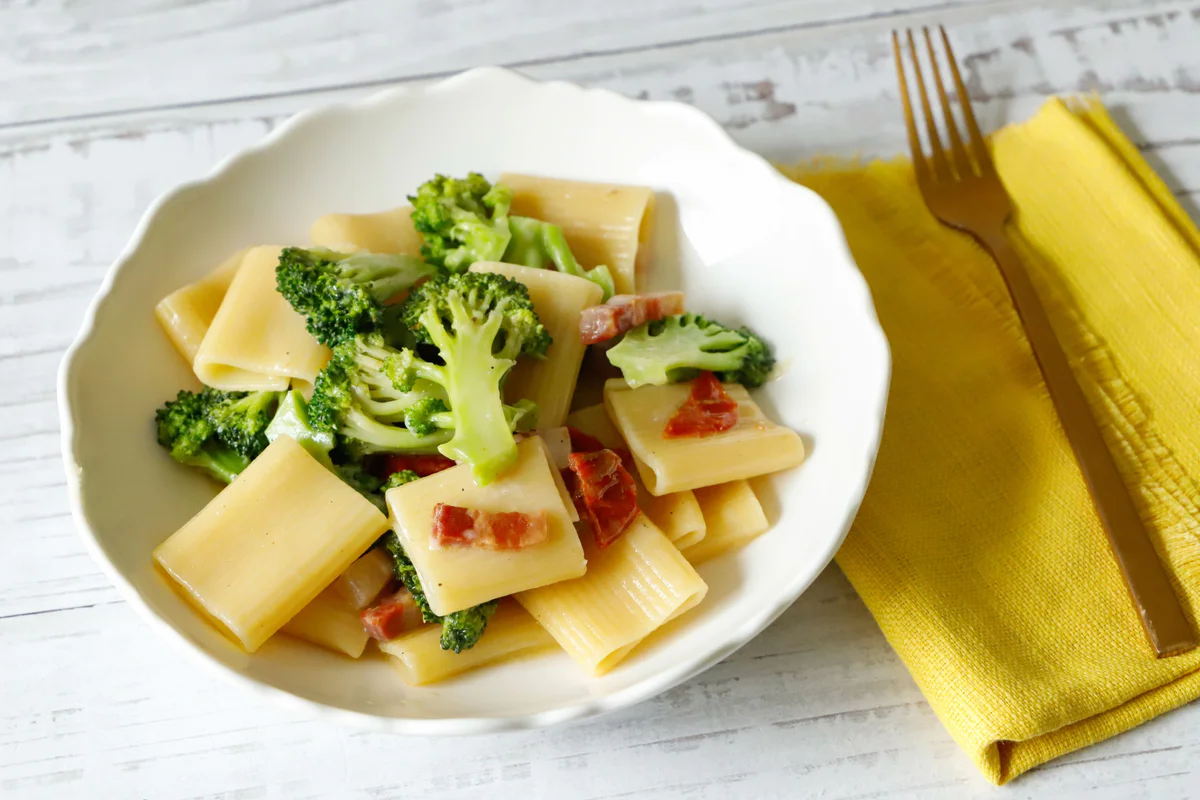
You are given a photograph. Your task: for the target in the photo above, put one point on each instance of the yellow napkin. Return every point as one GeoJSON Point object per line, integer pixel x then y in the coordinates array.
{"type": "Point", "coordinates": [977, 548]}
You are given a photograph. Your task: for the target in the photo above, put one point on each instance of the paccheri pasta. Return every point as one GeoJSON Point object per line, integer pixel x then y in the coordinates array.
{"type": "Point", "coordinates": [392, 409]}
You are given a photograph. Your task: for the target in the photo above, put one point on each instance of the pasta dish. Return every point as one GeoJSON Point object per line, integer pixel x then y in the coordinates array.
{"type": "Point", "coordinates": [396, 419]}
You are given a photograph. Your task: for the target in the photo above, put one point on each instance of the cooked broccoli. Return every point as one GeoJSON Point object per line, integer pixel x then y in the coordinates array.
{"type": "Point", "coordinates": [542, 245]}
{"type": "Point", "coordinates": [399, 479]}
{"type": "Point", "coordinates": [360, 480]}
{"type": "Point", "coordinates": [461, 629]}
{"type": "Point", "coordinates": [356, 400]}
{"type": "Point", "coordinates": [292, 420]}
{"type": "Point", "coordinates": [461, 221]}
{"type": "Point", "coordinates": [186, 430]}
{"type": "Point", "coordinates": [240, 419]}
{"type": "Point", "coordinates": [676, 348]}
{"type": "Point", "coordinates": [468, 220]}
{"type": "Point", "coordinates": [480, 323]}
{"type": "Point", "coordinates": [341, 295]}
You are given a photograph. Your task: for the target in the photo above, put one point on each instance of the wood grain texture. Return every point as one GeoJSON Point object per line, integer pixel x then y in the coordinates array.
{"type": "Point", "coordinates": [101, 109]}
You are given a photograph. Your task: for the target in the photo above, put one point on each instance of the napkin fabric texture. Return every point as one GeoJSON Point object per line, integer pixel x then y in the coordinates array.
{"type": "Point", "coordinates": [977, 548]}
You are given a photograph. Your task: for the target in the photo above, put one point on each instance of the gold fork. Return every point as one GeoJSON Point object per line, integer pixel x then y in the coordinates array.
{"type": "Point", "coordinates": [962, 189]}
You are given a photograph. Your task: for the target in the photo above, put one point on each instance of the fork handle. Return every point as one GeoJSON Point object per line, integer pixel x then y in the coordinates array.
{"type": "Point", "coordinates": [1158, 606]}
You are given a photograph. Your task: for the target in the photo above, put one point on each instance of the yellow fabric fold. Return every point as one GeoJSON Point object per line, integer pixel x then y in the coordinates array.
{"type": "Point", "coordinates": [977, 548]}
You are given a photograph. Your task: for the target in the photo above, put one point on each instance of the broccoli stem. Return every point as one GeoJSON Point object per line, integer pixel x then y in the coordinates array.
{"type": "Point", "coordinates": [481, 437]}
{"type": "Point", "coordinates": [386, 275]}
{"type": "Point", "coordinates": [219, 461]}
{"type": "Point", "coordinates": [538, 244]}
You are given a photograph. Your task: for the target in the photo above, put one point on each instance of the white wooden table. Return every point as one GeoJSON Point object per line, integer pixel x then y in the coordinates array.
{"type": "Point", "coordinates": [104, 105]}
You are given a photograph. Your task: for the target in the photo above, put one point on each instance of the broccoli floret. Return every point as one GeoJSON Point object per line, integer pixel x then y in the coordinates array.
{"type": "Point", "coordinates": [356, 400]}
{"type": "Point", "coordinates": [460, 630]}
{"type": "Point", "coordinates": [480, 323]}
{"type": "Point", "coordinates": [241, 421]}
{"type": "Point", "coordinates": [428, 415]}
{"type": "Point", "coordinates": [461, 220]}
{"type": "Point", "coordinates": [363, 482]}
{"type": "Point", "coordinates": [341, 295]}
{"type": "Point", "coordinates": [292, 420]}
{"type": "Point", "coordinates": [676, 348]}
{"type": "Point", "coordinates": [399, 479]}
{"type": "Point", "coordinates": [184, 428]}
{"type": "Point", "coordinates": [542, 245]}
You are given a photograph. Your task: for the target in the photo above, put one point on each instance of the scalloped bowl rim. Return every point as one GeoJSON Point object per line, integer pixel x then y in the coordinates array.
{"type": "Point", "coordinates": [594, 706]}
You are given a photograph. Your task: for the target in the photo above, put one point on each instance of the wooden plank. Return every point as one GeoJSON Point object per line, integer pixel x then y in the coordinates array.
{"type": "Point", "coordinates": [818, 703]}
{"type": "Point", "coordinates": [80, 59]}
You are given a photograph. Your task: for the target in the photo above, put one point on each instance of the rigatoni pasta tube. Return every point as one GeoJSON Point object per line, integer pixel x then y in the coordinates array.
{"type": "Point", "coordinates": [186, 313]}
{"type": "Point", "coordinates": [632, 587]}
{"type": "Point", "coordinates": [256, 340]}
{"type": "Point", "coordinates": [455, 578]}
{"type": "Point", "coordinates": [511, 633]}
{"type": "Point", "coordinates": [754, 446]}
{"type": "Point", "coordinates": [733, 517]}
{"type": "Point", "coordinates": [604, 223]}
{"type": "Point", "coordinates": [385, 232]}
{"type": "Point", "coordinates": [270, 542]}
{"type": "Point", "coordinates": [676, 514]}
{"type": "Point", "coordinates": [330, 622]}
{"type": "Point", "coordinates": [559, 301]}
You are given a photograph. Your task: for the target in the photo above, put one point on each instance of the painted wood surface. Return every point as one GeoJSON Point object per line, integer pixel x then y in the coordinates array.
{"type": "Point", "coordinates": [103, 106]}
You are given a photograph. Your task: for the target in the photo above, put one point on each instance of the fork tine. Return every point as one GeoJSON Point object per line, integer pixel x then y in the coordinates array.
{"type": "Point", "coordinates": [978, 146]}
{"type": "Point", "coordinates": [920, 166]}
{"type": "Point", "coordinates": [941, 168]}
{"type": "Point", "coordinates": [961, 162]}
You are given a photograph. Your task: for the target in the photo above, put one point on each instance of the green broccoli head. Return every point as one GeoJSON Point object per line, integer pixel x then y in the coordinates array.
{"type": "Point", "coordinates": [461, 220]}
{"type": "Point", "coordinates": [480, 323]}
{"type": "Point", "coordinates": [543, 246]}
{"type": "Point", "coordinates": [354, 398]}
{"type": "Point", "coordinates": [483, 304]}
{"type": "Point", "coordinates": [678, 347]}
{"type": "Point", "coordinates": [241, 421]}
{"type": "Point", "coordinates": [185, 430]}
{"type": "Point", "coordinates": [428, 415]}
{"type": "Point", "coordinates": [461, 629]}
{"type": "Point", "coordinates": [399, 479]}
{"type": "Point", "coordinates": [341, 295]}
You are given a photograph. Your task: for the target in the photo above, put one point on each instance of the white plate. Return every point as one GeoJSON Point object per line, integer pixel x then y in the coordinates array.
{"type": "Point", "coordinates": [747, 245]}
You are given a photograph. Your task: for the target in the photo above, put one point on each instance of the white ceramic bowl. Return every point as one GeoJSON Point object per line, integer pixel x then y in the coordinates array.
{"type": "Point", "coordinates": [747, 246]}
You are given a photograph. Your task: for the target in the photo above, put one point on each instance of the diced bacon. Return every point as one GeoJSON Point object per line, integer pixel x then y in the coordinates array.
{"type": "Point", "coordinates": [583, 442]}
{"type": "Point", "coordinates": [455, 526]}
{"type": "Point", "coordinates": [605, 493]}
{"type": "Point", "coordinates": [422, 465]}
{"type": "Point", "coordinates": [626, 311]}
{"type": "Point", "coordinates": [392, 616]}
{"type": "Point", "coordinates": [709, 409]}
{"type": "Point", "coordinates": [586, 443]}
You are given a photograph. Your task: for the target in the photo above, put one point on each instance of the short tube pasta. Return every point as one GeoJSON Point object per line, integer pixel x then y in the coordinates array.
{"type": "Point", "coordinates": [269, 543]}
{"type": "Point", "coordinates": [754, 446]}
{"type": "Point", "coordinates": [389, 231]}
{"type": "Point", "coordinates": [632, 587]}
{"type": "Point", "coordinates": [455, 578]}
{"type": "Point", "coordinates": [256, 340]}
{"type": "Point", "coordinates": [604, 223]}
{"type": "Point", "coordinates": [330, 622]}
{"type": "Point", "coordinates": [733, 517]}
{"type": "Point", "coordinates": [511, 633]}
{"type": "Point", "coordinates": [186, 313]}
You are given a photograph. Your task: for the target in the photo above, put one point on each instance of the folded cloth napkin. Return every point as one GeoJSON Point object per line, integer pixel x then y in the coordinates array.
{"type": "Point", "coordinates": [977, 548]}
